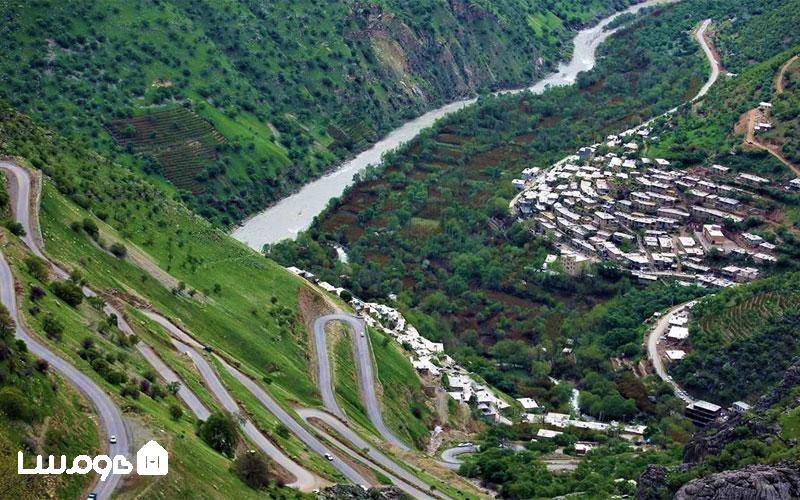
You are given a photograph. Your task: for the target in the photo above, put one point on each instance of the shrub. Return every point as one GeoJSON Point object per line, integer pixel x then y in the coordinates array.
{"type": "Point", "coordinates": [91, 228]}
{"type": "Point", "coordinates": [14, 404]}
{"type": "Point", "coordinates": [175, 412]}
{"type": "Point", "coordinates": [16, 228]}
{"type": "Point", "coordinates": [68, 292]}
{"type": "Point", "coordinates": [52, 327]}
{"type": "Point", "coordinates": [37, 267]}
{"type": "Point", "coordinates": [119, 250]}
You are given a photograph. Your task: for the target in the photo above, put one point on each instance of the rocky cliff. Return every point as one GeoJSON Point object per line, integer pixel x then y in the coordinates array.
{"type": "Point", "coordinates": [756, 482]}
{"type": "Point", "coordinates": [767, 482]}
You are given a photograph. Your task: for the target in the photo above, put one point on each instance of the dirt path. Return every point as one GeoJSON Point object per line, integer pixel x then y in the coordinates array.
{"type": "Point", "coordinates": [780, 77]}
{"type": "Point", "coordinates": [755, 115]}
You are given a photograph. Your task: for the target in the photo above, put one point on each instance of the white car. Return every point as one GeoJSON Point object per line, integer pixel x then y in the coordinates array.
{"type": "Point", "coordinates": [329, 457]}
{"type": "Point", "coordinates": [112, 439]}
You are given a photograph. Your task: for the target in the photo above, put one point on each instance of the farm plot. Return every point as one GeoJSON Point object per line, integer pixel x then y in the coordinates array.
{"type": "Point", "coordinates": [182, 142]}
{"type": "Point", "coordinates": [745, 317]}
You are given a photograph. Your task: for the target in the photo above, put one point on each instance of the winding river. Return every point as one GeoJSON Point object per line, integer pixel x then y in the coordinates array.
{"type": "Point", "coordinates": [295, 213]}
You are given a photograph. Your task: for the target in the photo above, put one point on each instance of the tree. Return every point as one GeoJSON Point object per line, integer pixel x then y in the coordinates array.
{"type": "Point", "coordinates": [173, 387]}
{"type": "Point", "coordinates": [16, 228]}
{"type": "Point", "coordinates": [7, 324]}
{"type": "Point", "coordinates": [251, 468]}
{"type": "Point", "coordinates": [220, 432]}
{"type": "Point", "coordinates": [68, 292]}
{"type": "Point", "coordinates": [37, 267]}
{"type": "Point", "coordinates": [52, 327]}
{"type": "Point", "coordinates": [175, 412]}
{"type": "Point", "coordinates": [119, 250]}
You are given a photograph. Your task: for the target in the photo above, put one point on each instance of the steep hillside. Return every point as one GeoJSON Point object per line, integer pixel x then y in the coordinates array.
{"type": "Point", "coordinates": [290, 86]}
{"type": "Point", "coordinates": [134, 244]}
{"type": "Point", "coordinates": [746, 333]}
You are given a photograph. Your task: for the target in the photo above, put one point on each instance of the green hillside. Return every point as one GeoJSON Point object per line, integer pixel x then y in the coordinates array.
{"type": "Point", "coordinates": [748, 333]}
{"type": "Point", "coordinates": [291, 86]}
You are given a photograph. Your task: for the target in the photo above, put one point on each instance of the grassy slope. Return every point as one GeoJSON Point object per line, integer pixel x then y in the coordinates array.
{"type": "Point", "coordinates": [194, 461]}
{"type": "Point", "coordinates": [315, 71]}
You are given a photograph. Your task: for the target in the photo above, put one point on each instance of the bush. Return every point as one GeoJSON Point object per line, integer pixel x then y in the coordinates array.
{"type": "Point", "coordinates": [68, 292]}
{"type": "Point", "coordinates": [91, 228]}
{"type": "Point", "coordinates": [346, 295]}
{"type": "Point", "coordinates": [14, 404]}
{"type": "Point", "coordinates": [221, 432]}
{"type": "Point", "coordinates": [42, 365]}
{"type": "Point", "coordinates": [36, 293]}
{"type": "Point", "coordinates": [251, 468]}
{"type": "Point", "coordinates": [175, 412]}
{"type": "Point", "coordinates": [52, 327]}
{"type": "Point", "coordinates": [15, 228]}
{"type": "Point", "coordinates": [37, 267]}
{"type": "Point", "coordinates": [119, 250]}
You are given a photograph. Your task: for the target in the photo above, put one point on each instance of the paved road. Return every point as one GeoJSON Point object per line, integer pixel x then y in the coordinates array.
{"type": "Point", "coordinates": [184, 343]}
{"type": "Point", "coordinates": [402, 478]}
{"type": "Point", "coordinates": [450, 455]}
{"type": "Point", "coordinates": [655, 334]}
{"type": "Point", "coordinates": [700, 36]}
{"type": "Point", "coordinates": [110, 416]}
{"type": "Point", "coordinates": [293, 425]}
{"type": "Point", "coordinates": [365, 373]}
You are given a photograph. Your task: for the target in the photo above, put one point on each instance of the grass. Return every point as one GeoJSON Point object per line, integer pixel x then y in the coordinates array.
{"type": "Point", "coordinates": [66, 427]}
{"type": "Point", "coordinates": [345, 378]}
{"type": "Point", "coordinates": [790, 424]}
{"type": "Point", "coordinates": [193, 461]}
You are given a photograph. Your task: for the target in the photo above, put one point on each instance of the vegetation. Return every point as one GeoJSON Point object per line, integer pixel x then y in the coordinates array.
{"type": "Point", "coordinates": [221, 432]}
{"type": "Point", "coordinates": [432, 225]}
{"type": "Point", "coordinates": [251, 468]}
{"type": "Point", "coordinates": [744, 333]}
{"type": "Point", "coordinates": [181, 89]}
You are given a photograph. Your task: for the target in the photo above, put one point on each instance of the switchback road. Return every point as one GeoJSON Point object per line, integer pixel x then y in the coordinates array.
{"type": "Point", "coordinates": [364, 369]}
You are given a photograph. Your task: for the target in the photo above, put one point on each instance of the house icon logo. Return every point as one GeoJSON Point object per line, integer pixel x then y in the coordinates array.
{"type": "Point", "coordinates": [152, 460]}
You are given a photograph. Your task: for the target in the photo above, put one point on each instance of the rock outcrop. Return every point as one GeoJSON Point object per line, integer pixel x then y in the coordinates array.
{"type": "Point", "coordinates": [757, 482]}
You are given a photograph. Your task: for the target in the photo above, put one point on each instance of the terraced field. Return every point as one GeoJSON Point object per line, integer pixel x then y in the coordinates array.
{"type": "Point", "coordinates": [749, 314]}
{"type": "Point", "coordinates": [181, 141]}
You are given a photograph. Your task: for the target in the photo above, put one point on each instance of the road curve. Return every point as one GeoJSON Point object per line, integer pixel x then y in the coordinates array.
{"type": "Point", "coordinates": [655, 359]}
{"type": "Point", "coordinates": [700, 36]}
{"type": "Point", "coordinates": [364, 368]}
{"type": "Point", "coordinates": [401, 477]}
{"type": "Point", "coordinates": [450, 455]}
{"type": "Point", "coordinates": [184, 343]}
{"type": "Point", "coordinates": [110, 416]}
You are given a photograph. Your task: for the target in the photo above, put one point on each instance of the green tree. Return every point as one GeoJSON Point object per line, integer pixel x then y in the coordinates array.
{"type": "Point", "coordinates": [68, 292]}
{"type": "Point", "coordinates": [251, 467]}
{"type": "Point", "coordinates": [221, 432]}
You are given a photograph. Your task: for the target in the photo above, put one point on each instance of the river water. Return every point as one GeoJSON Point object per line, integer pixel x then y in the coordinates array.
{"type": "Point", "coordinates": [295, 213]}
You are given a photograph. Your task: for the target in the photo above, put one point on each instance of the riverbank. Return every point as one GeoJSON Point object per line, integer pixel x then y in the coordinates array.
{"type": "Point", "coordinates": [295, 213]}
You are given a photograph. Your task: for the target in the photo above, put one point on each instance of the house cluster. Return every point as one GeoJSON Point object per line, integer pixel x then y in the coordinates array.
{"type": "Point", "coordinates": [428, 357]}
{"type": "Point", "coordinates": [551, 421]}
{"type": "Point", "coordinates": [607, 202]}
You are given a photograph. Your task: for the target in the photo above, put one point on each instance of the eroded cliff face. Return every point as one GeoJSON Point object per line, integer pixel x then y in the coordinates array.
{"type": "Point", "coordinates": [757, 482]}
{"type": "Point", "coordinates": [466, 49]}
{"type": "Point", "coordinates": [763, 482]}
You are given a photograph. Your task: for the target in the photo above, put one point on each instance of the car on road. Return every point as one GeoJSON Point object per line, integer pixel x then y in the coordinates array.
{"type": "Point", "coordinates": [329, 457]}
{"type": "Point", "coordinates": [92, 496]}
{"type": "Point", "coordinates": [464, 445]}
{"type": "Point", "coordinates": [112, 439]}
{"type": "Point", "coordinates": [362, 334]}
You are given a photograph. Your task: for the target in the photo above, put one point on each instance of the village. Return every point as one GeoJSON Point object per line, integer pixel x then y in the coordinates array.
{"type": "Point", "coordinates": [608, 203]}
{"type": "Point", "coordinates": [434, 366]}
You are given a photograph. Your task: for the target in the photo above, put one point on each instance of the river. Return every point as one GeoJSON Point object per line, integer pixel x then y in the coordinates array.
{"type": "Point", "coordinates": [295, 213]}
